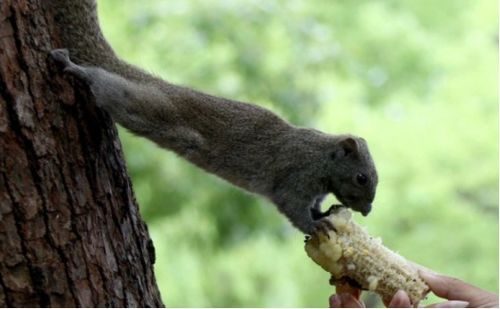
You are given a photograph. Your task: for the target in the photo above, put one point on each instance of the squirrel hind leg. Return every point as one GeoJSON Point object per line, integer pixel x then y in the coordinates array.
{"type": "Point", "coordinates": [61, 58]}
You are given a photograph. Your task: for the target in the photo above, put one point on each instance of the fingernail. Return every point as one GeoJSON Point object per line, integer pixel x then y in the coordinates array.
{"type": "Point", "coordinates": [424, 273]}
{"type": "Point", "coordinates": [453, 304]}
{"type": "Point", "coordinates": [348, 301]}
{"type": "Point", "coordinates": [335, 301]}
{"type": "Point", "coordinates": [400, 293]}
{"type": "Point", "coordinates": [343, 297]}
{"type": "Point", "coordinates": [427, 275]}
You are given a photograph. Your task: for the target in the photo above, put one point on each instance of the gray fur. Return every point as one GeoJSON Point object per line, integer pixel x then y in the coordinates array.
{"type": "Point", "coordinates": [242, 143]}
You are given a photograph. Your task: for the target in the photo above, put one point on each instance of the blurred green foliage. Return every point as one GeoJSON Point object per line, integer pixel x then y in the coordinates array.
{"type": "Point", "coordinates": [416, 78]}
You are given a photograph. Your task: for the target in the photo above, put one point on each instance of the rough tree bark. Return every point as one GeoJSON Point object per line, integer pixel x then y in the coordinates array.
{"type": "Point", "coordinates": [70, 231]}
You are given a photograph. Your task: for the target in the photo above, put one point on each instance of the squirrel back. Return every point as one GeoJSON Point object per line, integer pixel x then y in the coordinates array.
{"type": "Point", "coordinates": [242, 143]}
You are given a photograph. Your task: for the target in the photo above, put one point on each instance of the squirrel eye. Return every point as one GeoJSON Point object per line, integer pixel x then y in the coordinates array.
{"type": "Point", "coordinates": [361, 179]}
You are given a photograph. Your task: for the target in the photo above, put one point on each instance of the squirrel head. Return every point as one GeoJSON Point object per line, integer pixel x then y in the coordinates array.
{"type": "Point", "coordinates": [355, 178]}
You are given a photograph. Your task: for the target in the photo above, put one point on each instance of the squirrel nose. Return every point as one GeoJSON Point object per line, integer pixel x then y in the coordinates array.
{"type": "Point", "coordinates": [366, 209]}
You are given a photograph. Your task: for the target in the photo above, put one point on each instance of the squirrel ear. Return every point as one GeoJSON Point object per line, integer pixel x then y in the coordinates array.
{"type": "Point", "coordinates": [350, 146]}
{"type": "Point", "coordinates": [346, 147]}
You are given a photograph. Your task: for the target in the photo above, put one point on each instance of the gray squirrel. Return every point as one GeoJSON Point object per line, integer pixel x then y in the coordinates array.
{"type": "Point", "coordinates": [247, 145]}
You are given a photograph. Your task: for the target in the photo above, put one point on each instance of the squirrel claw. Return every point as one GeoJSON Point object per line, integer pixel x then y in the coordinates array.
{"type": "Point", "coordinates": [61, 57]}
{"type": "Point", "coordinates": [324, 226]}
{"type": "Point", "coordinates": [334, 208]}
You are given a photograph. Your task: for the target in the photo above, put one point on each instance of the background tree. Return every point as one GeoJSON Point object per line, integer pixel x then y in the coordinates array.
{"type": "Point", "coordinates": [417, 79]}
{"type": "Point", "coordinates": [70, 231]}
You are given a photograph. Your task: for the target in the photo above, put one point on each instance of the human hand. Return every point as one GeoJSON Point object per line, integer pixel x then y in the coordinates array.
{"type": "Point", "coordinates": [347, 300]}
{"type": "Point", "coordinates": [458, 294]}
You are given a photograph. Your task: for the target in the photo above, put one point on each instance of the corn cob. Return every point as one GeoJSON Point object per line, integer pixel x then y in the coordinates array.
{"type": "Point", "coordinates": [352, 256]}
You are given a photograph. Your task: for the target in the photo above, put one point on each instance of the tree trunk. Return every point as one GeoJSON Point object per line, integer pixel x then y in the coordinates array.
{"type": "Point", "coordinates": [70, 230]}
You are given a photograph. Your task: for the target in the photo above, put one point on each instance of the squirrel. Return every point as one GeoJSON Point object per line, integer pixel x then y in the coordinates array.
{"type": "Point", "coordinates": [247, 145]}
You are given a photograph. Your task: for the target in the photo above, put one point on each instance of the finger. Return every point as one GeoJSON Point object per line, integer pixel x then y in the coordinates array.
{"type": "Point", "coordinates": [400, 300]}
{"type": "Point", "coordinates": [450, 304]}
{"type": "Point", "coordinates": [455, 289]}
{"type": "Point", "coordinates": [348, 301]}
{"type": "Point", "coordinates": [347, 289]}
{"type": "Point", "coordinates": [448, 287]}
